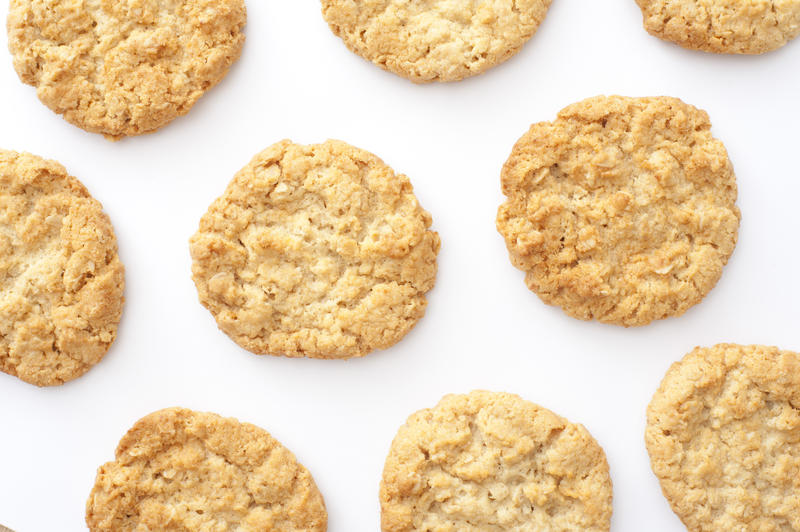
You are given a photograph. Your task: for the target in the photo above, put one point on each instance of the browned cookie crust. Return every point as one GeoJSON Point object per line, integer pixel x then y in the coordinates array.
{"type": "Point", "coordinates": [621, 210]}
{"type": "Point", "coordinates": [319, 251]}
{"type": "Point", "coordinates": [493, 462]}
{"type": "Point", "coordinates": [61, 281]}
{"type": "Point", "coordinates": [124, 67]}
{"type": "Point", "coordinates": [435, 40]}
{"type": "Point", "coordinates": [723, 433]}
{"type": "Point", "coordinates": [182, 470]}
{"type": "Point", "coordinates": [723, 26]}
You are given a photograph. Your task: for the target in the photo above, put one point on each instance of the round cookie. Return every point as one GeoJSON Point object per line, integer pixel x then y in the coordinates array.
{"type": "Point", "coordinates": [723, 433]}
{"type": "Point", "coordinates": [621, 210]}
{"type": "Point", "coordinates": [439, 40]}
{"type": "Point", "coordinates": [182, 470]}
{"type": "Point", "coordinates": [318, 251]}
{"type": "Point", "coordinates": [124, 67]}
{"type": "Point", "coordinates": [61, 281]}
{"type": "Point", "coordinates": [487, 462]}
{"type": "Point", "coordinates": [723, 26]}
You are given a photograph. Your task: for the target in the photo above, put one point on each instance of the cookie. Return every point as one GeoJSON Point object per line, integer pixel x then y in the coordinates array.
{"type": "Point", "coordinates": [723, 433]}
{"type": "Point", "coordinates": [723, 26]}
{"type": "Point", "coordinates": [439, 40]}
{"type": "Point", "coordinates": [61, 281]}
{"type": "Point", "coordinates": [182, 470]}
{"type": "Point", "coordinates": [124, 67]}
{"type": "Point", "coordinates": [494, 462]}
{"type": "Point", "coordinates": [319, 251]}
{"type": "Point", "coordinates": [622, 210]}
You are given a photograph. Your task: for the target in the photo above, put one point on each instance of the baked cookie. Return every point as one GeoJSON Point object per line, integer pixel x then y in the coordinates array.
{"type": "Point", "coordinates": [435, 40]}
{"type": "Point", "coordinates": [723, 433]}
{"type": "Point", "coordinates": [318, 251]}
{"type": "Point", "coordinates": [494, 462]}
{"type": "Point", "coordinates": [182, 470]}
{"type": "Point", "coordinates": [123, 67]}
{"type": "Point", "coordinates": [61, 280]}
{"type": "Point", "coordinates": [621, 210]}
{"type": "Point", "coordinates": [723, 26]}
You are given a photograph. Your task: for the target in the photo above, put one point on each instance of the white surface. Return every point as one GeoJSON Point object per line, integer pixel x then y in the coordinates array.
{"type": "Point", "coordinates": [483, 328]}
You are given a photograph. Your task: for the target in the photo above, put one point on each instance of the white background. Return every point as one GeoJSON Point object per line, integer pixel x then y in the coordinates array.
{"type": "Point", "coordinates": [483, 328]}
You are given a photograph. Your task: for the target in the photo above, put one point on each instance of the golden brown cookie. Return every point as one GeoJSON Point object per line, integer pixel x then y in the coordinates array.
{"type": "Point", "coordinates": [61, 280]}
{"type": "Point", "coordinates": [723, 433]}
{"type": "Point", "coordinates": [124, 67]}
{"type": "Point", "coordinates": [435, 40]}
{"type": "Point", "coordinates": [493, 462]}
{"type": "Point", "coordinates": [621, 210]}
{"type": "Point", "coordinates": [319, 251]}
{"type": "Point", "coordinates": [182, 470]}
{"type": "Point", "coordinates": [723, 26]}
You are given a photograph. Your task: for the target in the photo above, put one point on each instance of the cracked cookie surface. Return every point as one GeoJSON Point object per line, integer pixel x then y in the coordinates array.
{"type": "Point", "coordinates": [61, 281]}
{"type": "Point", "coordinates": [177, 469]}
{"type": "Point", "coordinates": [319, 251]}
{"type": "Point", "coordinates": [493, 462]}
{"type": "Point", "coordinates": [723, 433]}
{"type": "Point", "coordinates": [123, 67]}
{"type": "Point", "coordinates": [723, 26]}
{"type": "Point", "coordinates": [435, 40]}
{"type": "Point", "coordinates": [621, 210]}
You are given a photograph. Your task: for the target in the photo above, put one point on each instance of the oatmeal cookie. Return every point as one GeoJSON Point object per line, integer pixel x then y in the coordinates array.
{"type": "Point", "coordinates": [723, 433]}
{"type": "Point", "coordinates": [179, 470]}
{"type": "Point", "coordinates": [124, 67]}
{"type": "Point", "coordinates": [319, 251]}
{"type": "Point", "coordinates": [621, 210]}
{"type": "Point", "coordinates": [61, 280]}
{"type": "Point", "coordinates": [493, 462]}
{"type": "Point", "coordinates": [723, 26]}
{"type": "Point", "coordinates": [435, 40]}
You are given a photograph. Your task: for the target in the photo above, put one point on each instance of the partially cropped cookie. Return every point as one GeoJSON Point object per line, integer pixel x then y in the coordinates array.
{"type": "Point", "coordinates": [723, 433]}
{"type": "Point", "coordinates": [622, 210]}
{"type": "Point", "coordinates": [182, 470]}
{"type": "Point", "coordinates": [61, 281]}
{"type": "Point", "coordinates": [723, 26]}
{"type": "Point", "coordinates": [319, 251]}
{"type": "Point", "coordinates": [438, 40]}
{"type": "Point", "coordinates": [494, 462]}
{"type": "Point", "coordinates": [124, 67]}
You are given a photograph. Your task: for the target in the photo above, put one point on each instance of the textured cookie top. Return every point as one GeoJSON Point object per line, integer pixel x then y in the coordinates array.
{"type": "Point", "coordinates": [318, 251]}
{"type": "Point", "coordinates": [435, 40]}
{"type": "Point", "coordinates": [182, 470]}
{"type": "Point", "coordinates": [723, 433]}
{"type": "Point", "coordinates": [493, 462]}
{"type": "Point", "coordinates": [622, 210]}
{"type": "Point", "coordinates": [61, 280]}
{"type": "Point", "coordinates": [723, 26]}
{"type": "Point", "coordinates": [123, 67]}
